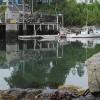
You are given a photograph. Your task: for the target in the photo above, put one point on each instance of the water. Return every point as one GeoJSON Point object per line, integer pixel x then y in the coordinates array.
{"type": "Point", "coordinates": [40, 64]}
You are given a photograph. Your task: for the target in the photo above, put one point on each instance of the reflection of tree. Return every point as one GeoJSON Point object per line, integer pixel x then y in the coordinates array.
{"type": "Point", "coordinates": [2, 57]}
{"type": "Point", "coordinates": [33, 67]}
{"type": "Point", "coordinates": [2, 52]}
{"type": "Point", "coordinates": [80, 69]}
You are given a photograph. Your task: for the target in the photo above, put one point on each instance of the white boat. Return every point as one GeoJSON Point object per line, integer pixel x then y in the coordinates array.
{"type": "Point", "coordinates": [30, 37]}
{"type": "Point", "coordinates": [86, 32]}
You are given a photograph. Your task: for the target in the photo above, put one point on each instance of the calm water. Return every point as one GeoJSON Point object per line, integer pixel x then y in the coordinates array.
{"type": "Point", "coordinates": [40, 63]}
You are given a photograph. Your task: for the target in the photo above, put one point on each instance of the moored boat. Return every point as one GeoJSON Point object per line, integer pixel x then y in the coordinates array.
{"type": "Point", "coordinates": [86, 32]}
{"type": "Point", "coordinates": [30, 37]}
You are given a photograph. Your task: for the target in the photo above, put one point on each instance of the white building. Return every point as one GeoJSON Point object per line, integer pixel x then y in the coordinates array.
{"type": "Point", "coordinates": [87, 1]}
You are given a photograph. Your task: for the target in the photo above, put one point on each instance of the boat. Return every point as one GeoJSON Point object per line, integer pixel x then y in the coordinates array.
{"type": "Point", "coordinates": [31, 37]}
{"type": "Point", "coordinates": [86, 32]}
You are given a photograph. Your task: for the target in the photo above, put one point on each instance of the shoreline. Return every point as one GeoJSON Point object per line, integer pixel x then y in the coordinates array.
{"type": "Point", "coordinates": [46, 94]}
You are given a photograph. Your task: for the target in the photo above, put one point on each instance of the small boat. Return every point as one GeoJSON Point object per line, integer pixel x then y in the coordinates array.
{"type": "Point", "coordinates": [31, 37]}
{"type": "Point", "coordinates": [86, 32]}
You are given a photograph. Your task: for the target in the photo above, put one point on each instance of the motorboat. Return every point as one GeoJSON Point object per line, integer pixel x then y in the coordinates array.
{"type": "Point", "coordinates": [86, 32]}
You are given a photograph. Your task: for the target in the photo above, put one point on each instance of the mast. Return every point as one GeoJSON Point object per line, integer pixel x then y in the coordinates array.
{"type": "Point", "coordinates": [23, 4]}
{"type": "Point", "coordinates": [32, 6]}
{"type": "Point", "coordinates": [87, 16]}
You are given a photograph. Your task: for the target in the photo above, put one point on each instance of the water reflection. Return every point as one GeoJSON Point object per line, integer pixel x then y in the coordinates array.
{"type": "Point", "coordinates": [40, 63]}
{"type": "Point", "coordinates": [78, 76]}
{"type": "Point", "coordinates": [5, 73]}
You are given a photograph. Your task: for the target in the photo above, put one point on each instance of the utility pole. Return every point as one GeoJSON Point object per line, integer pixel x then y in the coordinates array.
{"type": "Point", "coordinates": [32, 6]}
{"type": "Point", "coordinates": [62, 20]}
{"type": "Point", "coordinates": [87, 16]}
{"type": "Point", "coordinates": [23, 3]}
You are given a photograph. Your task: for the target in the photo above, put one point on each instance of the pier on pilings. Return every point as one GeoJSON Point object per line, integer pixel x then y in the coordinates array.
{"type": "Point", "coordinates": [30, 29]}
{"type": "Point", "coordinates": [40, 23]}
{"type": "Point", "coordinates": [39, 28]}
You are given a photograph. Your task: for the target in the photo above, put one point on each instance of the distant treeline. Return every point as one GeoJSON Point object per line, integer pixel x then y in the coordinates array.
{"type": "Point", "coordinates": [74, 14]}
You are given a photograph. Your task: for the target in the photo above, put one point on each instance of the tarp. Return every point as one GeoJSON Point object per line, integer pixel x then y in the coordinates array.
{"type": "Point", "coordinates": [12, 21]}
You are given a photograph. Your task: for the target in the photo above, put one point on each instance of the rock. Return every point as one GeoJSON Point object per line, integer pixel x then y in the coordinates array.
{"type": "Point", "coordinates": [0, 97]}
{"type": "Point", "coordinates": [20, 94]}
{"type": "Point", "coordinates": [40, 94]}
{"type": "Point", "coordinates": [93, 66]}
{"type": "Point", "coordinates": [33, 94]}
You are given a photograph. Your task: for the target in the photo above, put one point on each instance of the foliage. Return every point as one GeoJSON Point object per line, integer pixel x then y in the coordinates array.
{"type": "Point", "coordinates": [74, 13]}
{"type": "Point", "coordinates": [34, 70]}
{"type": "Point", "coordinates": [2, 11]}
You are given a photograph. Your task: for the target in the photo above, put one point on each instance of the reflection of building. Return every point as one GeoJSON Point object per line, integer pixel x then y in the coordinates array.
{"type": "Point", "coordinates": [44, 46]}
{"type": "Point", "coordinates": [11, 54]}
{"type": "Point", "coordinates": [37, 64]}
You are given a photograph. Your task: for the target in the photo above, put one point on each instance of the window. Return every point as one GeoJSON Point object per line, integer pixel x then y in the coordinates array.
{"type": "Point", "coordinates": [19, 1]}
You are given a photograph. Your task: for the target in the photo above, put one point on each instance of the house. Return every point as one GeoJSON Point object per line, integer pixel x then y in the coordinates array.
{"type": "Point", "coordinates": [87, 1]}
{"type": "Point", "coordinates": [17, 2]}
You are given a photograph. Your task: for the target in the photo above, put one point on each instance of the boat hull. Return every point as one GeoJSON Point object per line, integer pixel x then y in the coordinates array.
{"type": "Point", "coordinates": [83, 36]}
{"type": "Point", "coordinates": [30, 37]}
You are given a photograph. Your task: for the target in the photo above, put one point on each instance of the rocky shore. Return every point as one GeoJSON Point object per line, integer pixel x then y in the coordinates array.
{"type": "Point", "coordinates": [46, 94]}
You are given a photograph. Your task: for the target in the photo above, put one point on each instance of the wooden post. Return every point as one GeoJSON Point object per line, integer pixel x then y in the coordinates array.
{"type": "Point", "coordinates": [53, 26]}
{"type": "Point", "coordinates": [34, 44]}
{"type": "Point", "coordinates": [34, 26]}
{"type": "Point", "coordinates": [62, 21]}
{"type": "Point", "coordinates": [57, 50]}
{"type": "Point", "coordinates": [57, 22]}
{"type": "Point", "coordinates": [24, 27]}
{"type": "Point", "coordinates": [40, 27]}
{"type": "Point", "coordinates": [48, 27]}
{"type": "Point", "coordinates": [17, 27]}
{"type": "Point", "coordinates": [32, 6]}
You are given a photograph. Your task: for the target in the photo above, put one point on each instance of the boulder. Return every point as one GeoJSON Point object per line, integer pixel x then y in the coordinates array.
{"type": "Point", "coordinates": [93, 66]}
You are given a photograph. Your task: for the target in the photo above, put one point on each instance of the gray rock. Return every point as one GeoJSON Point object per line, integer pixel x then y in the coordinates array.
{"type": "Point", "coordinates": [93, 66]}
